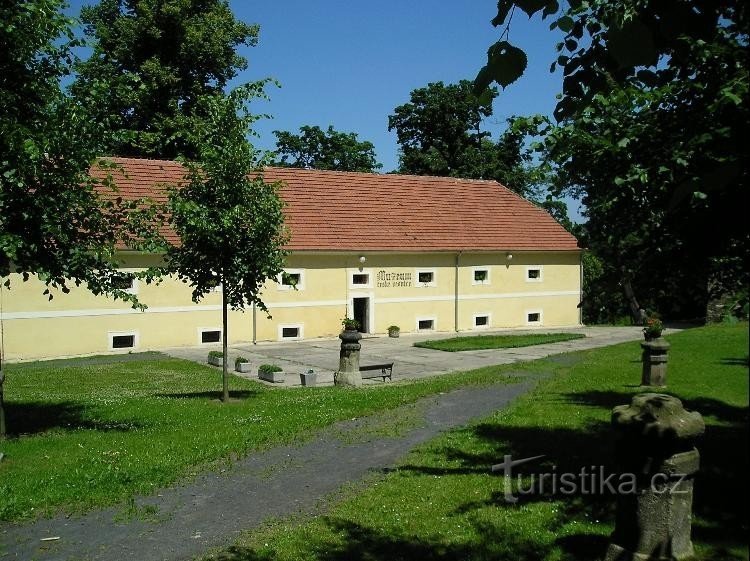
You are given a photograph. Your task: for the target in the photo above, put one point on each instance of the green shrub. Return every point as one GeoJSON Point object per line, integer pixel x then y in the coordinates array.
{"type": "Point", "coordinates": [215, 354]}
{"type": "Point", "coordinates": [394, 328]}
{"type": "Point", "coordinates": [269, 368]}
{"type": "Point", "coordinates": [240, 360]}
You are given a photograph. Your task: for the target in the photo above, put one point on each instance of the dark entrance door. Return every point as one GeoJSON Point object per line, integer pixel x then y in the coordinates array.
{"type": "Point", "coordinates": [360, 308]}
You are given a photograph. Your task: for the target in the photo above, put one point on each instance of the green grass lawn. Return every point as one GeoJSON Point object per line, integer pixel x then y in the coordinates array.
{"type": "Point", "coordinates": [93, 432]}
{"type": "Point", "coordinates": [481, 342]}
{"type": "Point", "coordinates": [443, 504]}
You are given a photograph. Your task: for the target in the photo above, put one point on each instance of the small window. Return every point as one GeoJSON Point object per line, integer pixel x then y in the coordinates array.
{"type": "Point", "coordinates": [361, 279]}
{"type": "Point", "coordinates": [533, 274]}
{"type": "Point", "coordinates": [480, 275]}
{"type": "Point", "coordinates": [425, 277]}
{"type": "Point", "coordinates": [211, 336]}
{"type": "Point", "coordinates": [482, 321]}
{"type": "Point", "coordinates": [289, 332]}
{"type": "Point", "coordinates": [426, 324]}
{"type": "Point", "coordinates": [123, 341]}
{"type": "Point", "coordinates": [291, 279]}
{"type": "Point", "coordinates": [126, 340]}
{"type": "Point", "coordinates": [125, 283]}
{"type": "Point", "coordinates": [533, 317]}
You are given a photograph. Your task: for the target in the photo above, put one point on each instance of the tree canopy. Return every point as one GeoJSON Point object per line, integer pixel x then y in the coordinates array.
{"type": "Point", "coordinates": [156, 58]}
{"type": "Point", "coordinates": [440, 132]}
{"type": "Point", "coordinates": [315, 148]}
{"type": "Point", "coordinates": [649, 134]}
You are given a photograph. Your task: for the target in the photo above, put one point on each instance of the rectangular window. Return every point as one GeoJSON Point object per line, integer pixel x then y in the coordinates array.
{"type": "Point", "coordinates": [211, 336]}
{"type": "Point", "coordinates": [291, 279]}
{"type": "Point", "coordinates": [360, 279]}
{"type": "Point", "coordinates": [482, 320]}
{"type": "Point", "coordinates": [425, 324]}
{"type": "Point", "coordinates": [122, 340]}
{"type": "Point", "coordinates": [290, 332]}
{"type": "Point", "coordinates": [534, 274]}
{"type": "Point", "coordinates": [425, 277]}
{"type": "Point", "coordinates": [534, 317]}
{"type": "Point", "coordinates": [127, 284]}
{"type": "Point", "coordinates": [480, 275]}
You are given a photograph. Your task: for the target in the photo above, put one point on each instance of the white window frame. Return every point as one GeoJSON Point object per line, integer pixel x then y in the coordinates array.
{"type": "Point", "coordinates": [202, 330]}
{"type": "Point", "coordinates": [300, 327]}
{"type": "Point", "coordinates": [433, 319]}
{"type": "Point", "coordinates": [486, 281]}
{"type": "Point", "coordinates": [481, 315]}
{"type": "Point", "coordinates": [134, 282]}
{"type": "Point", "coordinates": [418, 284]}
{"type": "Point", "coordinates": [299, 286]}
{"type": "Point", "coordinates": [136, 340]}
{"type": "Point", "coordinates": [540, 268]}
{"type": "Point", "coordinates": [367, 272]}
{"type": "Point", "coordinates": [541, 317]}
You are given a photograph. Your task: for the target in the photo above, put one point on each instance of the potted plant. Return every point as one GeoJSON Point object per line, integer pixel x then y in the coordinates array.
{"type": "Point", "coordinates": [394, 331]}
{"type": "Point", "coordinates": [215, 358]}
{"type": "Point", "coordinates": [271, 373]}
{"type": "Point", "coordinates": [350, 324]}
{"type": "Point", "coordinates": [309, 378]}
{"type": "Point", "coordinates": [653, 329]}
{"type": "Point", "coordinates": [241, 364]}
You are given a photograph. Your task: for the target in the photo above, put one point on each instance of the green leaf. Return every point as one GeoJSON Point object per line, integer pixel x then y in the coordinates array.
{"type": "Point", "coordinates": [565, 24]}
{"type": "Point", "coordinates": [530, 7]}
{"type": "Point", "coordinates": [503, 7]}
{"type": "Point", "coordinates": [505, 64]}
{"type": "Point", "coordinates": [632, 45]}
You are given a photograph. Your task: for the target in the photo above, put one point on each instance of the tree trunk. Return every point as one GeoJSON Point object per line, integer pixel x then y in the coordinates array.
{"type": "Point", "coordinates": [224, 330]}
{"type": "Point", "coordinates": [639, 316]}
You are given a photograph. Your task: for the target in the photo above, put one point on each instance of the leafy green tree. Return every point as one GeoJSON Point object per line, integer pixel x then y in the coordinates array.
{"type": "Point", "coordinates": [52, 222]}
{"type": "Point", "coordinates": [230, 221]}
{"type": "Point", "coordinates": [440, 133]}
{"type": "Point", "coordinates": [318, 149]}
{"type": "Point", "coordinates": [156, 58]}
{"type": "Point", "coordinates": [651, 122]}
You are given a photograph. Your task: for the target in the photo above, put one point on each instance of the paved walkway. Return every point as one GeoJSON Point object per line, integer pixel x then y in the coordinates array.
{"type": "Point", "coordinates": [322, 355]}
{"type": "Point", "coordinates": [213, 510]}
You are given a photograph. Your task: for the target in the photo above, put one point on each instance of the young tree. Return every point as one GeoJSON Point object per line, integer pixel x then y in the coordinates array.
{"type": "Point", "coordinates": [52, 223]}
{"type": "Point", "coordinates": [156, 58]}
{"type": "Point", "coordinates": [440, 133]}
{"type": "Point", "coordinates": [318, 149]}
{"type": "Point", "coordinates": [229, 220]}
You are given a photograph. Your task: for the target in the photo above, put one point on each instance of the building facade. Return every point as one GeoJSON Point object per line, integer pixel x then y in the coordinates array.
{"type": "Point", "coordinates": [425, 254]}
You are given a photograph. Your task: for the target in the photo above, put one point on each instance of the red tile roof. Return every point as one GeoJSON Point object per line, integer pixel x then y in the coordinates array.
{"type": "Point", "coordinates": [328, 210]}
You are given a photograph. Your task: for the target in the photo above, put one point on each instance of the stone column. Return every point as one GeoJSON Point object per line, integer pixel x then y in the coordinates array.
{"type": "Point", "coordinates": [348, 373]}
{"type": "Point", "coordinates": [654, 358]}
{"type": "Point", "coordinates": [655, 447]}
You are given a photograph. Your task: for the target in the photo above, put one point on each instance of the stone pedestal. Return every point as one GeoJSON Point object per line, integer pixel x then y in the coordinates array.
{"type": "Point", "coordinates": [654, 358]}
{"type": "Point", "coordinates": [655, 447]}
{"type": "Point", "coordinates": [348, 373]}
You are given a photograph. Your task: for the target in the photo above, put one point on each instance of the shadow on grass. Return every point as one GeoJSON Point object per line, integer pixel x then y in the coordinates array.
{"type": "Point", "coordinates": [28, 418]}
{"type": "Point", "coordinates": [736, 361]}
{"type": "Point", "coordinates": [214, 394]}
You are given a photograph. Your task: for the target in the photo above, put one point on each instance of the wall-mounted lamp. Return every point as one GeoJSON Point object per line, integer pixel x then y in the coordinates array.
{"type": "Point", "coordinates": [509, 256]}
{"type": "Point", "coordinates": [362, 259]}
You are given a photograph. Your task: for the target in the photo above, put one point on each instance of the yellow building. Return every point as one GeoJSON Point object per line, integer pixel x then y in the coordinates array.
{"type": "Point", "coordinates": [426, 254]}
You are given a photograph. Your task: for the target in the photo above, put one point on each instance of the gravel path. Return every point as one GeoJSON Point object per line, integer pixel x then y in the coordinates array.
{"type": "Point", "coordinates": [187, 520]}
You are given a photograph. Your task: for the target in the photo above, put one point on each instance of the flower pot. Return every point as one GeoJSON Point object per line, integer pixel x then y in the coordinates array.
{"type": "Point", "coordinates": [243, 367]}
{"type": "Point", "coordinates": [216, 361]}
{"type": "Point", "coordinates": [308, 378]}
{"type": "Point", "coordinates": [394, 333]}
{"type": "Point", "coordinates": [273, 377]}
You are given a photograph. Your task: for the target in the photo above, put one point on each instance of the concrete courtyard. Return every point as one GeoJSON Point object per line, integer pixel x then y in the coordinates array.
{"type": "Point", "coordinates": [322, 355]}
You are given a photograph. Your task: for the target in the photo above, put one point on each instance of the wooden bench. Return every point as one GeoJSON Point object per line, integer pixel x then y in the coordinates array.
{"type": "Point", "coordinates": [386, 371]}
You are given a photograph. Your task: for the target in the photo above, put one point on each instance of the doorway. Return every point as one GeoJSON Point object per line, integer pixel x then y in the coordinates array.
{"type": "Point", "coordinates": [361, 313]}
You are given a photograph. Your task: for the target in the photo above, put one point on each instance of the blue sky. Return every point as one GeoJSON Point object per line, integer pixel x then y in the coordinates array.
{"type": "Point", "coordinates": [349, 64]}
